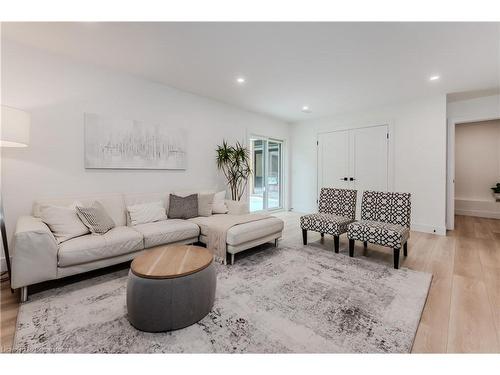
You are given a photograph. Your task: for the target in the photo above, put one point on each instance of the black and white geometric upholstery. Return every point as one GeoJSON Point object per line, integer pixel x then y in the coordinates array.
{"type": "Point", "coordinates": [377, 232]}
{"type": "Point", "coordinates": [325, 223]}
{"type": "Point", "coordinates": [337, 209]}
{"type": "Point", "coordinates": [387, 207]}
{"type": "Point", "coordinates": [385, 221]}
{"type": "Point", "coordinates": [338, 202]}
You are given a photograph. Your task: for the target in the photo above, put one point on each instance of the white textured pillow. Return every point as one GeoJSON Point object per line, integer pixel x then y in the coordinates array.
{"type": "Point", "coordinates": [147, 212]}
{"type": "Point", "coordinates": [205, 202]}
{"type": "Point", "coordinates": [218, 205]}
{"type": "Point", "coordinates": [63, 221]}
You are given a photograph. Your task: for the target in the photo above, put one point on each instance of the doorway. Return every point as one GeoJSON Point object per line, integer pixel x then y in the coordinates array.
{"type": "Point", "coordinates": [455, 204]}
{"type": "Point", "coordinates": [266, 181]}
{"type": "Point", "coordinates": [477, 169]}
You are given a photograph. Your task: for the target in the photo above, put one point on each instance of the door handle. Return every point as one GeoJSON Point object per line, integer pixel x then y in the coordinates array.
{"type": "Point", "coordinates": [343, 179]}
{"type": "Point", "coordinates": [351, 179]}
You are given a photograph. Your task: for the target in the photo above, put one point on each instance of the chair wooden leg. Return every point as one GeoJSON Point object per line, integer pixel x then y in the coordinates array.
{"type": "Point", "coordinates": [322, 235]}
{"type": "Point", "coordinates": [351, 248]}
{"type": "Point", "coordinates": [336, 241]}
{"type": "Point", "coordinates": [405, 249]}
{"type": "Point", "coordinates": [396, 257]}
{"type": "Point", "coordinates": [365, 244]}
{"type": "Point", "coordinates": [304, 236]}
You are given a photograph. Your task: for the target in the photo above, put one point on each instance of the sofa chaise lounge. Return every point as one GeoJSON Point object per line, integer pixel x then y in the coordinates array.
{"type": "Point", "coordinates": [38, 257]}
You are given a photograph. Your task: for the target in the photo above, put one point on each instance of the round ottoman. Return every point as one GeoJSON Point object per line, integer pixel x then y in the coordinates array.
{"type": "Point", "coordinates": [170, 287]}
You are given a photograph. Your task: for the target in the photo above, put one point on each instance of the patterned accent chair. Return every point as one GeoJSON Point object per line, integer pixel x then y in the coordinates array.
{"type": "Point", "coordinates": [385, 221]}
{"type": "Point", "coordinates": [337, 209]}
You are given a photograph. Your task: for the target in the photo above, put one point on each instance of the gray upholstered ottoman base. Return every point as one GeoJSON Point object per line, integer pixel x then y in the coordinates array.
{"type": "Point", "coordinates": [156, 305]}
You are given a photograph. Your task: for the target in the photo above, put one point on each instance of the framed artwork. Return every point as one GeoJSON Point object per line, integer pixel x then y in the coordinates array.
{"type": "Point", "coordinates": [113, 143]}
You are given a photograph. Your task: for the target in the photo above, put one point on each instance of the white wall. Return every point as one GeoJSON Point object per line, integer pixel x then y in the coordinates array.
{"type": "Point", "coordinates": [57, 92]}
{"type": "Point", "coordinates": [419, 144]}
{"type": "Point", "coordinates": [483, 108]}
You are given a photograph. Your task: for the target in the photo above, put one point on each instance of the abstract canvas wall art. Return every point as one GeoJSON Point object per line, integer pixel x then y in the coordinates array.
{"type": "Point", "coordinates": [130, 144]}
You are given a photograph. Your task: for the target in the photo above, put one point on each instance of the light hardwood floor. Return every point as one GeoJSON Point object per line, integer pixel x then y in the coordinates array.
{"type": "Point", "coordinates": [462, 312]}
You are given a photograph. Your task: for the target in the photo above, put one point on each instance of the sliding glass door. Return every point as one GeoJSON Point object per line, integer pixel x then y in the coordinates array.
{"type": "Point", "coordinates": [266, 186]}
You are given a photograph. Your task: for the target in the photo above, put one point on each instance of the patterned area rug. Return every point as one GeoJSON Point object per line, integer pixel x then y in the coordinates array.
{"type": "Point", "coordinates": [300, 299]}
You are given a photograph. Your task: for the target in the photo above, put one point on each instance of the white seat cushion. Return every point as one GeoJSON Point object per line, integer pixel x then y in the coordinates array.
{"type": "Point", "coordinates": [89, 248]}
{"type": "Point", "coordinates": [243, 232]}
{"type": "Point", "coordinates": [256, 229]}
{"type": "Point", "coordinates": [167, 231]}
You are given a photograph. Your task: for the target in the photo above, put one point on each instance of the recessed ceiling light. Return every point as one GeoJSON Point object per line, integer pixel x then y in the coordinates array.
{"type": "Point", "coordinates": [306, 109]}
{"type": "Point", "coordinates": [241, 80]}
{"type": "Point", "coordinates": [433, 78]}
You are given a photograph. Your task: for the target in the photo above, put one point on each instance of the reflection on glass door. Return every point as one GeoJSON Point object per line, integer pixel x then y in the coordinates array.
{"type": "Point", "coordinates": [257, 181]}
{"type": "Point", "coordinates": [266, 188]}
{"type": "Point", "coordinates": [273, 174]}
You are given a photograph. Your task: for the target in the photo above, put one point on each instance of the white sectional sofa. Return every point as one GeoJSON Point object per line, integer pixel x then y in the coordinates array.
{"type": "Point", "coordinates": [38, 257]}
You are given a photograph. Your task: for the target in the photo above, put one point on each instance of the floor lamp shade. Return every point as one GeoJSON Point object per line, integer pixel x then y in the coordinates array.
{"type": "Point", "coordinates": [15, 127]}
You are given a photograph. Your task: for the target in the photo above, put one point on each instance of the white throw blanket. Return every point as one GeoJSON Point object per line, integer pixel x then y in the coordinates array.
{"type": "Point", "coordinates": [217, 231]}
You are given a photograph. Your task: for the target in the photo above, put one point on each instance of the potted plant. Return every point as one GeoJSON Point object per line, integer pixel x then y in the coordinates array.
{"type": "Point", "coordinates": [496, 191]}
{"type": "Point", "coordinates": [234, 162]}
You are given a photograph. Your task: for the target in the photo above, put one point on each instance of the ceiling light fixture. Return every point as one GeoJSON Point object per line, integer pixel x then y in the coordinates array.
{"type": "Point", "coordinates": [306, 109]}
{"type": "Point", "coordinates": [433, 78]}
{"type": "Point", "coordinates": [241, 80]}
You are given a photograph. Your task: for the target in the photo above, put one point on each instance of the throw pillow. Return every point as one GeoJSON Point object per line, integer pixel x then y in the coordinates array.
{"type": "Point", "coordinates": [146, 212]}
{"type": "Point", "coordinates": [183, 207]}
{"type": "Point", "coordinates": [63, 221]}
{"type": "Point", "coordinates": [219, 205]}
{"type": "Point", "coordinates": [95, 218]}
{"type": "Point", "coordinates": [205, 202]}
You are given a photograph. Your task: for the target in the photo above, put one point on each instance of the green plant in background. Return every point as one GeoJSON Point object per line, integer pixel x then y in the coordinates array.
{"type": "Point", "coordinates": [234, 162]}
{"type": "Point", "coordinates": [496, 189]}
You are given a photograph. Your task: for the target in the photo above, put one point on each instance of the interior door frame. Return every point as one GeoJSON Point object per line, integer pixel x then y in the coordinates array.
{"type": "Point", "coordinates": [390, 150]}
{"type": "Point", "coordinates": [253, 136]}
{"type": "Point", "coordinates": [450, 163]}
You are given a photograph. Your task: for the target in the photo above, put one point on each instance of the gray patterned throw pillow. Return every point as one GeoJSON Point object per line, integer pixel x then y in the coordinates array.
{"type": "Point", "coordinates": [183, 207]}
{"type": "Point", "coordinates": [95, 218]}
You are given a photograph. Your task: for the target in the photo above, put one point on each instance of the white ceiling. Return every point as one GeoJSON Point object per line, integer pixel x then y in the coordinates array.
{"type": "Point", "coordinates": [332, 67]}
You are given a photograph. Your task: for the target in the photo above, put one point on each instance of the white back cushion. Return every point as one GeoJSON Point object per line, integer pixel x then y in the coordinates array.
{"type": "Point", "coordinates": [63, 221]}
{"type": "Point", "coordinates": [112, 203]}
{"type": "Point", "coordinates": [147, 212]}
{"type": "Point", "coordinates": [219, 203]}
{"type": "Point", "coordinates": [140, 198]}
{"type": "Point", "coordinates": [185, 193]}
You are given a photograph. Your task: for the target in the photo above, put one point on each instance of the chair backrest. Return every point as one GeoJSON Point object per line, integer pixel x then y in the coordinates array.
{"type": "Point", "coordinates": [340, 202]}
{"type": "Point", "coordinates": [387, 207]}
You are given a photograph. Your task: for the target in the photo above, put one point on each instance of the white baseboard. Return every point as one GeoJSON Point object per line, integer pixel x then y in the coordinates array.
{"type": "Point", "coordinates": [429, 229]}
{"type": "Point", "coordinates": [478, 213]}
{"type": "Point", "coordinates": [478, 208]}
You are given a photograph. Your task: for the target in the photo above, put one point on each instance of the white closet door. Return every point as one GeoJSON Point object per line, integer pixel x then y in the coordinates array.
{"type": "Point", "coordinates": [369, 160]}
{"type": "Point", "coordinates": [333, 159]}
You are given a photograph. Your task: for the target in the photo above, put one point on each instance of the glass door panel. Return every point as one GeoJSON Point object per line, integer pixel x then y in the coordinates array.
{"type": "Point", "coordinates": [257, 178]}
{"type": "Point", "coordinates": [266, 180]}
{"type": "Point", "coordinates": [273, 175]}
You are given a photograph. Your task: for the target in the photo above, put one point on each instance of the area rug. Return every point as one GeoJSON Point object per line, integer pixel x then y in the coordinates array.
{"type": "Point", "coordinates": [299, 299]}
